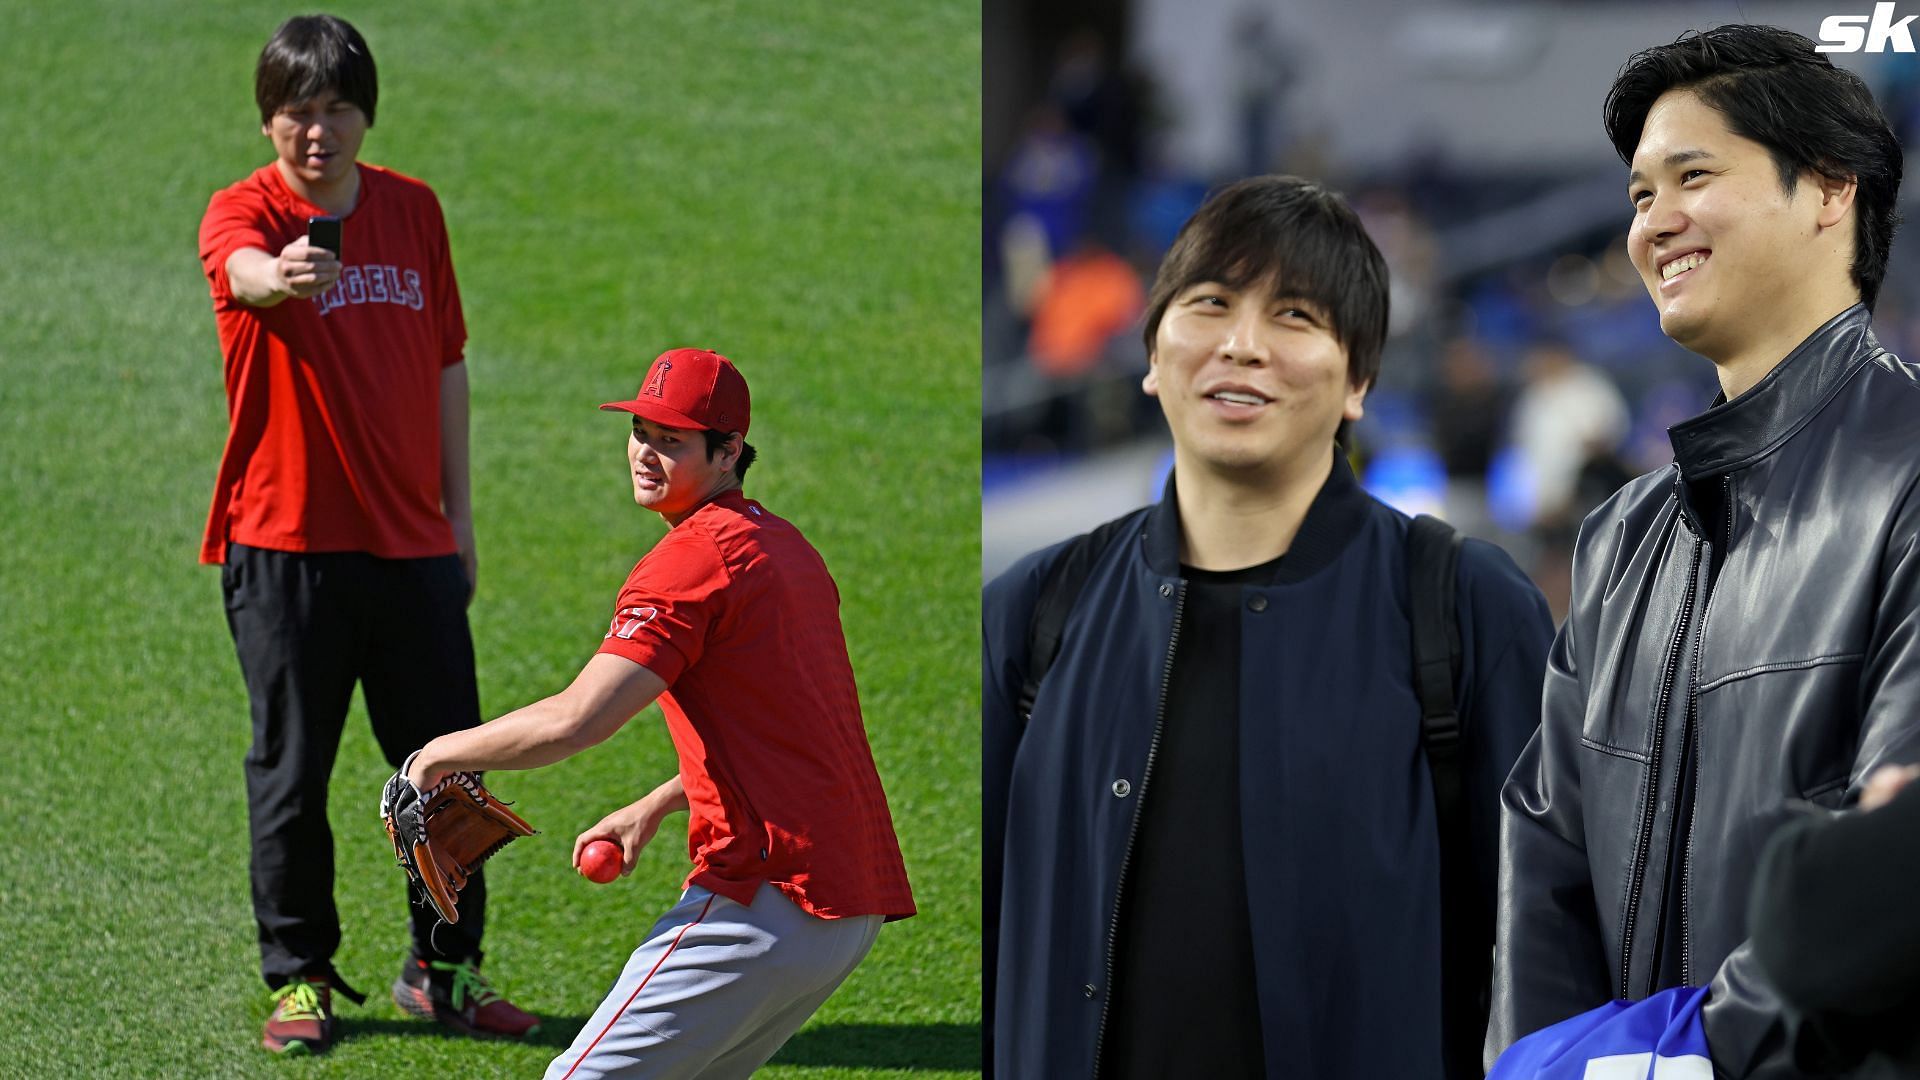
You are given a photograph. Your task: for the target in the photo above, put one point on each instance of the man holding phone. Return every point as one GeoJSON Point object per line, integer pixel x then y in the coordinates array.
{"type": "Point", "coordinates": [341, 515]}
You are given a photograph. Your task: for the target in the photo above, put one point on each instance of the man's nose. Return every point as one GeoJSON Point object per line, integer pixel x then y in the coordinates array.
{"type": "Point", "coordinates": [1661, 220]}
{"type": "Point", "coordinates": [1245, 340]}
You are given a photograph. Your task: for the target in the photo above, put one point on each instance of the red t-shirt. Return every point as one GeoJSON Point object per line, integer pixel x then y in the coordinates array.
{"type": "Point", "coordinates": [736, 612]}
{"type": "Point", "coordinates": [334, 402]}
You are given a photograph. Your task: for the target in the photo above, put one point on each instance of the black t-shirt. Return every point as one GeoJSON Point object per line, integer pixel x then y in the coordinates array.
{"type": "Point", "coordinates": [1183, 1001]}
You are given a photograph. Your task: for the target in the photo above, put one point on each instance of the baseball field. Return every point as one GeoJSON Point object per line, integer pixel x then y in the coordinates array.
{"type": "Point", "coordinates": [794, 184]}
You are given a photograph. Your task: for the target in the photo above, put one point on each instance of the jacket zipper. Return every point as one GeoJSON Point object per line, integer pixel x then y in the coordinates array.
{"type": "Point", "coordinates": [1640, 851]}
{"type": "Point", "coordinates": [1693, 729]}
{"type": "Point", "coordinates": [1686, 856]}
{"type": "Point", "coordinates": [1689, 759]}
{"type": "Point", "coordinates": [1133, 831]}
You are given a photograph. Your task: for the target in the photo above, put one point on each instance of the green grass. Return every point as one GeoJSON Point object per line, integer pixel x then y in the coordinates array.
{"type": "Point", "coordinates": [795, 184]}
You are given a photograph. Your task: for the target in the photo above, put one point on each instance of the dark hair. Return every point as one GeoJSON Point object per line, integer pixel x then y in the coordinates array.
{"type": "Point", "coordinates": [312, 53]}
{"type": "Point", "coordinates": [1773, 88]}
{"type": "Point", "coordinates": [1303, 241]}
{"type": "Point", "coordinates": [718, 439]}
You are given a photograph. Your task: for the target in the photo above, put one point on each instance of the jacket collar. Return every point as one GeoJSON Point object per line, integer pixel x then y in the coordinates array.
{"type": "Point", "coordinates": [1333, 518]}
{"type": "Point", "coordinates": [1732, 433]}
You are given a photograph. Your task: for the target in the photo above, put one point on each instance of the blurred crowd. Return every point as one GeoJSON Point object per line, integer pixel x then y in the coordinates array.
{"type": "Point", "coordinates": [1525, 379]}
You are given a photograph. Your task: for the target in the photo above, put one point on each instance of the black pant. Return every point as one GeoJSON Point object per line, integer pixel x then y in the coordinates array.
{"type": "Point", "coordinates": [306, 627]}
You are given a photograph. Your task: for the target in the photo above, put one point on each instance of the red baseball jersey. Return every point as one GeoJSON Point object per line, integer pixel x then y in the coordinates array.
{"type": "Point", "coordinates": [736, 612]}
{"type": "Point", "coordinates": [334, 402]}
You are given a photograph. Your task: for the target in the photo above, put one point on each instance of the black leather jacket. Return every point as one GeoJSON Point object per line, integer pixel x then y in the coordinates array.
{"type": "Point", "coordinates": [1716, 665]}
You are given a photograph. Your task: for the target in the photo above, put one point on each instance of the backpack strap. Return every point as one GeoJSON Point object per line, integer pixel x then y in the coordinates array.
{"type": "Point", "coordinates": [1058, 593]}
{"type": "Point", "coordinates": [1433, 560]}
{"type": "Point", "coordinates": [1466, 928]}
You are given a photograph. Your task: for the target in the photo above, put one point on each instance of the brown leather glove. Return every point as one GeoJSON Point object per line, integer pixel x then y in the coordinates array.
{"type": "Point", "coordinates": [443, 834]}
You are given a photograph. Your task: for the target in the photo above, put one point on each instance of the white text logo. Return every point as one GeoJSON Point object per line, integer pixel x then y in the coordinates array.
{"type": "Point", "coordinates": [628, 621]}
{"type": "Point", "coordinates": [1852, 33]}
{"type": "Point", "coordinates": [373, 283]}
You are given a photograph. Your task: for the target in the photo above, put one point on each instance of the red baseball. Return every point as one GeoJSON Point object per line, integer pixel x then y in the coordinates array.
{"type": "Point", "coordinates": [600, 861]}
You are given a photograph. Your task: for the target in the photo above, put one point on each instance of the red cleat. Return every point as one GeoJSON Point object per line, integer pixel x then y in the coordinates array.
{"type": "Point", "coordinates": [302, 1018]}
{"type": "Point", "coordinates": [459, 997]}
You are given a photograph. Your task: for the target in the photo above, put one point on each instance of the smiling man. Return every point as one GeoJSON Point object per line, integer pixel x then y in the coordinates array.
{"type": "Point", "coordinates": [732, 622]}
{"type": "Point", "coordinates": [341, 517]}
{"type": "Point", "coordinates": [1212, 846]}
{"type": "Point", "coordinates": [1743, 626]}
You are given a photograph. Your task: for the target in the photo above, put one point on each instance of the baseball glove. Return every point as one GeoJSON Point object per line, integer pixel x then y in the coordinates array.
{"type": "Point", "coordinates": [443, 834]}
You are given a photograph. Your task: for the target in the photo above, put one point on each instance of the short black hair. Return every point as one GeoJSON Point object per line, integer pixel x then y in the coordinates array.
{"type": "Point", "coordinates": [312, 53]}
{"type": "Point", "coordinates": [1303, 241]}
{"type": "Point", "coordinates": [1775, 89]}
{"type": "Point", "coordinates": [718, 439]}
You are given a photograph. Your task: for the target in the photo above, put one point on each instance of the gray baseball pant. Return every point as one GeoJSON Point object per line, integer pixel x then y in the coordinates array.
{"type": "Point", "coordinates": [716, 989]}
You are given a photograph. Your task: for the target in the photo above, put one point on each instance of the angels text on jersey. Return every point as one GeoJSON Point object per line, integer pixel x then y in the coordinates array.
{"type": "Point", "coordinates": [373, 283]}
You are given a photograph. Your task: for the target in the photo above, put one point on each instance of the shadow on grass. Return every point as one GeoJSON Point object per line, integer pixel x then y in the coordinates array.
{"type": "Point", "coordinates": [947, 1047]}
{"type": "Point", "coordinates": [950, 1047]}
{"type": "Point", "coordinates": [555, 1031]}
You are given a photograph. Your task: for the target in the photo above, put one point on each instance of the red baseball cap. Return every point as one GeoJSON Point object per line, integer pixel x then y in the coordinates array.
{"type": "Point", "coordinates": [691, 388]}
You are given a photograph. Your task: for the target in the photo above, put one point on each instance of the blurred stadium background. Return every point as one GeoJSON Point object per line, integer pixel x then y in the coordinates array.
{"type": "Point", "coordinates": [1526, 377]}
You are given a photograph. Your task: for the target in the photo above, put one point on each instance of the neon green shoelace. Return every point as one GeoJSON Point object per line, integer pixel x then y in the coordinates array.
{"type": "Point", "coordinates": [468, 982]}
{"type": "Point", "coordinates": [298, 1000]}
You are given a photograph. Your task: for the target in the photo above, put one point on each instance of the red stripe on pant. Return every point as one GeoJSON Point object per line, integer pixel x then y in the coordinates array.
{"type": "Point", "coordinates": [637, 989]}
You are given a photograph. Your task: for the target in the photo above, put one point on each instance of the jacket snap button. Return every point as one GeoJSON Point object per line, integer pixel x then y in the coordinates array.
{"type": "Point", "coordinates": [1121, 789]}
{"type": "Point", "coordinates": [1258, 603]}
{"type": "Point", "coordinates": [1165, 589]}
{"type": "Point", "coordinates": [1088, 990]}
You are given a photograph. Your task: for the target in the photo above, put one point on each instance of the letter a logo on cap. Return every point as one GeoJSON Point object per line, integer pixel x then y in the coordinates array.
{"type": "Point", "coordinates": [657, 382]}
{"type": "Point", "coordinates": [707, 394]}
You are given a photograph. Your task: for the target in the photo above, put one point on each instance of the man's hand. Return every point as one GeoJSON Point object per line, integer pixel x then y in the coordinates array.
{"type": "Point", "coordinates": [469, 557]}
{"type": "Point", "coordinates": [264, 280]}
{"type": "Point", "coordinates": [1885, 783]}
{"type": "Point", "coordinates": [632, 826]}
{"type": "Point", "coordinates": [306, 271]}
{"type": "Point", "coordinates": [422, 772]}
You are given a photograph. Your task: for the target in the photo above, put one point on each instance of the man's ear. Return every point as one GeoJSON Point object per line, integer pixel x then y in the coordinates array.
{"type": "Point", "coordinates": [1836, 198]}
{"type": "Point", "coordinates": [1356, 406]}
{"type": "Point", "coordinates": [1151, 384]}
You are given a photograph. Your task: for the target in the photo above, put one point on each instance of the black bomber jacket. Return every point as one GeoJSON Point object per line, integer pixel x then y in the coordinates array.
{"type": "Point", "coordinates": [1745, 633]}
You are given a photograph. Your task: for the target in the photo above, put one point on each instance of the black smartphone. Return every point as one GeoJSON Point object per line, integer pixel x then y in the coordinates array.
{"type": "Point", "coordinates": [324, 232]}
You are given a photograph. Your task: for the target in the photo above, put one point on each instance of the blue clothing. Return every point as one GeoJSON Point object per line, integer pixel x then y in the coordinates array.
{"type": "Point", "coordinates": [1339, 835]}
{"type": "Point", "coordinates": [1658, 1038]}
